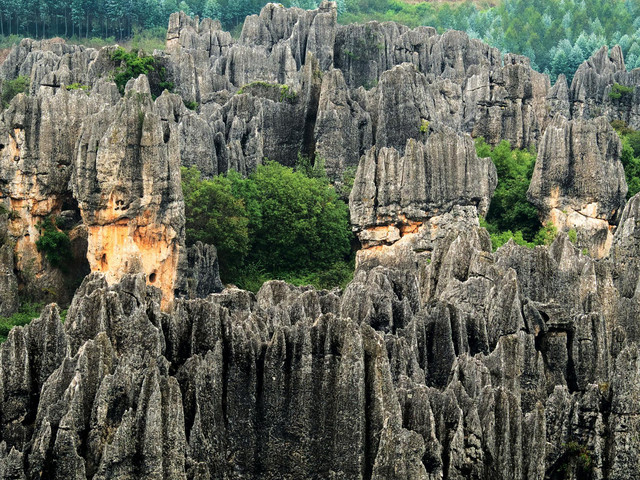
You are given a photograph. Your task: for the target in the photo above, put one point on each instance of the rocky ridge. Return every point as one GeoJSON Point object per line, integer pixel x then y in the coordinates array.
{"type": "Point", "coordinates": [440, 360]}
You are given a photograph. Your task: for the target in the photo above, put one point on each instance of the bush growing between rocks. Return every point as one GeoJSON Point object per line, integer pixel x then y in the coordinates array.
{"type": "Point", "coordinates": [135, 63]}
{"type": "Point", "coordinates": [618, 91]}
{"type": "Point", "coordinates": [297, 229]}
{"type": "Point", "coordinates": [510, 215]}
{"type": "Point", "coordinates": [217, 217]}
{"type": "Point", "coordinates": [55, 244]}
{"type": "Point", "coordinates": [11, 88]}
{"type": "Point", "coordinates": [27, 312]}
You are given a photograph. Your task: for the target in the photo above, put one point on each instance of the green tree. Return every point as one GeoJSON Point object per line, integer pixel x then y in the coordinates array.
{"type": "Point", "coordinates": [510, 209]}
{"type": "Point", "coordinates": [297, 223]}
{"type": "Point", "coordinates": [217, 217]}
{"type": "Point", "coordinates": [631, 163]}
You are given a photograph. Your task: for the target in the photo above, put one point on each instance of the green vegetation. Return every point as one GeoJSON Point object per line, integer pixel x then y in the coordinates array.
{"type": "Point", "coordinates": [217, 217]}
{"type": "Point", "coordinates": [276, 223]}
{"type": "Point", "coordinates": [576, 456]}
{"type": "Point", "coordinates": [135, 63]}
{"type": "Point", "coordinates": [284, 91]}
{"type": "Point", "coordinates": [424, 126]}
{"type": "Point", "coordinates": [630, 156]}
{"type": "Point", "coordinates": [26, 313]}
{"type": "Point", "coordinates": [511, 215]}
{"type": "Point", "coordinates": [55, 244]}
{"type": "Point", "coordinates": [191, 105]}
{"type": "Point", "coordinates": [618, 91]}
{"type": "Point", "coordinates": [11, 88]}
{"type": "Point", "coordinates": [573, 235]}
{"type": "Point", "coordinates": [78, 86]}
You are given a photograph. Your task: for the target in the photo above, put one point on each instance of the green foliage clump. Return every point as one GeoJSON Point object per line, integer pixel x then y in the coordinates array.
{"type": "Point", "coordinates": [55, 244]}
{"type": "Point", "coordinates": [424, 126]}
{"type": "Point", "coordinates": [618, 91]}
{"type": "Point", "coordinates": [510, 209]}
{"type": "Point", "coordinates": [578, 456]}
{"type": "Point", "coordinates": [573, 235]}
{"type": "Point", "coordinates": [630, 156]}
{"type": "Point", "coordinates": [311, 167]}
{"type": "Point", "coordinates": [134, 63]}
{"type": "Point", "coordinates": [284, 93]}
{"type": "Point", "coordinates": [217, 217]}
{"type": "Point", "coordinates": [345, 185]}
{"type": "Point", "coordinates": [191, 105]}
{"type": "Point", "coordinates": [285, 225]}
{"type": "Point", "coordinates": [11, 88]}
{"type": "Point", "coordinates": [27, 312]}
{"type": "Point", "coordinates": [510, 215]}
{"type": "Point", "coordinates": [78, 86]}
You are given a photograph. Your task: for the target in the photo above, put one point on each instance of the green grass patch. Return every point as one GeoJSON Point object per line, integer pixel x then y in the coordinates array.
{"type": "Point", "coordinates": [26, 313]}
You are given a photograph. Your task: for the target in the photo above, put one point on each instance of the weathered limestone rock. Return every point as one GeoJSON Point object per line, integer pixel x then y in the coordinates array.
{"type": "Point", "coordinates": [343, 129]}
{"type": "Point", "coordinates": [440, 360]}
{"type": "Point", "coordinates": [8, 281]}
{"type": "Point", "coordinates": [36, 162]}
{"type": "Point", "coordinates": [578, 181]}
{"type": "Point", "coordinates": [593, 83]}
{"type": "Point", "coordinates": [394, 195]}
{"type": "Point", "coordinates": [127, 183]}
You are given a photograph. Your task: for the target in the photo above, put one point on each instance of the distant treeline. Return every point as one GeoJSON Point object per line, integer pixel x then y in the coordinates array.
{"type": "Point", "coordinates": [556, 34]}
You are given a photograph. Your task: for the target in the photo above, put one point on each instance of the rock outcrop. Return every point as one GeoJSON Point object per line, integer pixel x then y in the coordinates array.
{"type": "Point", "coordinates": [394, 195]}
{"type": "Point", "coordinates": [578, 181]}
{"type": "Point", "coordinates": [441, 359]}
{"type": "Point", "coordinates": [127, 183]}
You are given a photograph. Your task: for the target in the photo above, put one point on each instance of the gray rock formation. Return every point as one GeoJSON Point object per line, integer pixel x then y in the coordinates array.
{"type": "Point", "coordinates": [440, 360]}
{"type": "Point", "coordinates": [394, 195]}
{"type": "Point", "coordinates": [578, 181]}
{"type": "Point", "coordinates": [593, 84]}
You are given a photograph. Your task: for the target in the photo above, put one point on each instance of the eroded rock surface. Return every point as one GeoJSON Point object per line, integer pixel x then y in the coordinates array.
{"type": "Point", "coordinates": [578, 181]}
{"type": "Point", "coordinates": [440, 360]}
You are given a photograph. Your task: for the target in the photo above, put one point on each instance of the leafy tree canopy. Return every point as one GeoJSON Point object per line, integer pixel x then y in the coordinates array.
{"type": "Point", "coordinates": [276, 223]}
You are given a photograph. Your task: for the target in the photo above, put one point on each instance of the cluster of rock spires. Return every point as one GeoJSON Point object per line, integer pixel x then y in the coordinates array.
{"type": "Point", "coordinates": [440, 360]}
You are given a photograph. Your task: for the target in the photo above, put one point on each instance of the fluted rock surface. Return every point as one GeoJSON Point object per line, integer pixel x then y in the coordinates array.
{"type": "Point", "coordinates": [470, 365]}
{"type": "Point", "coordinates": [578, 181]}
{"type": "Point", "coordinates": [592, 88]}
{"type": "Point", "coordinates": [127, 183]}
{"type": "Point", "coordinates": [440, 360]}
{"type": "Point", "coordinates": [394, 195]}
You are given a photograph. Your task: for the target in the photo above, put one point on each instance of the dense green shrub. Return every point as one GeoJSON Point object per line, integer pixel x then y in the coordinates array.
{"type": "Point", "coordinates": [510, 215]}
{"type": "Point", "coordinates": [134, 63]}
{"type": "Point", "coordinates": [510, 209]}
{"type": "Point", "coordinates": [191, 105]}
{"type": "Point", "coordinates": [301, 225]}
{"type": "Point", "coordinates": [55, 244]}
{"type": "Point", "coordinates": [11, 88]}
{"type": "Point", "coordinates": [284, 224]}
{"type": "Point", "coordinates": [630, 156]}
{"type": "Point", "coordinates": [215, 216]}
{"type": "Point", "coordinates": [78, 86]}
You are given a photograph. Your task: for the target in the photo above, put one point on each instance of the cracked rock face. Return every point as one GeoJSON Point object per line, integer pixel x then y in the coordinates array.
{"type": "Point", "coordinates": [394, 194]}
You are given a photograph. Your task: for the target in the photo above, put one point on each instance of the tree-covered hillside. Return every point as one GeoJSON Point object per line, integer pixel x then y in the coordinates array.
{"type": "Point", "coordinates": [556, 35]}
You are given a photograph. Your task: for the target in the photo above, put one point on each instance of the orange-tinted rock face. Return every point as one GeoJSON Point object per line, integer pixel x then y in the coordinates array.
{"type": "Point", "coordinates": [127, 183]}
{"type": "Point", "coordinates": [121, 248]}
